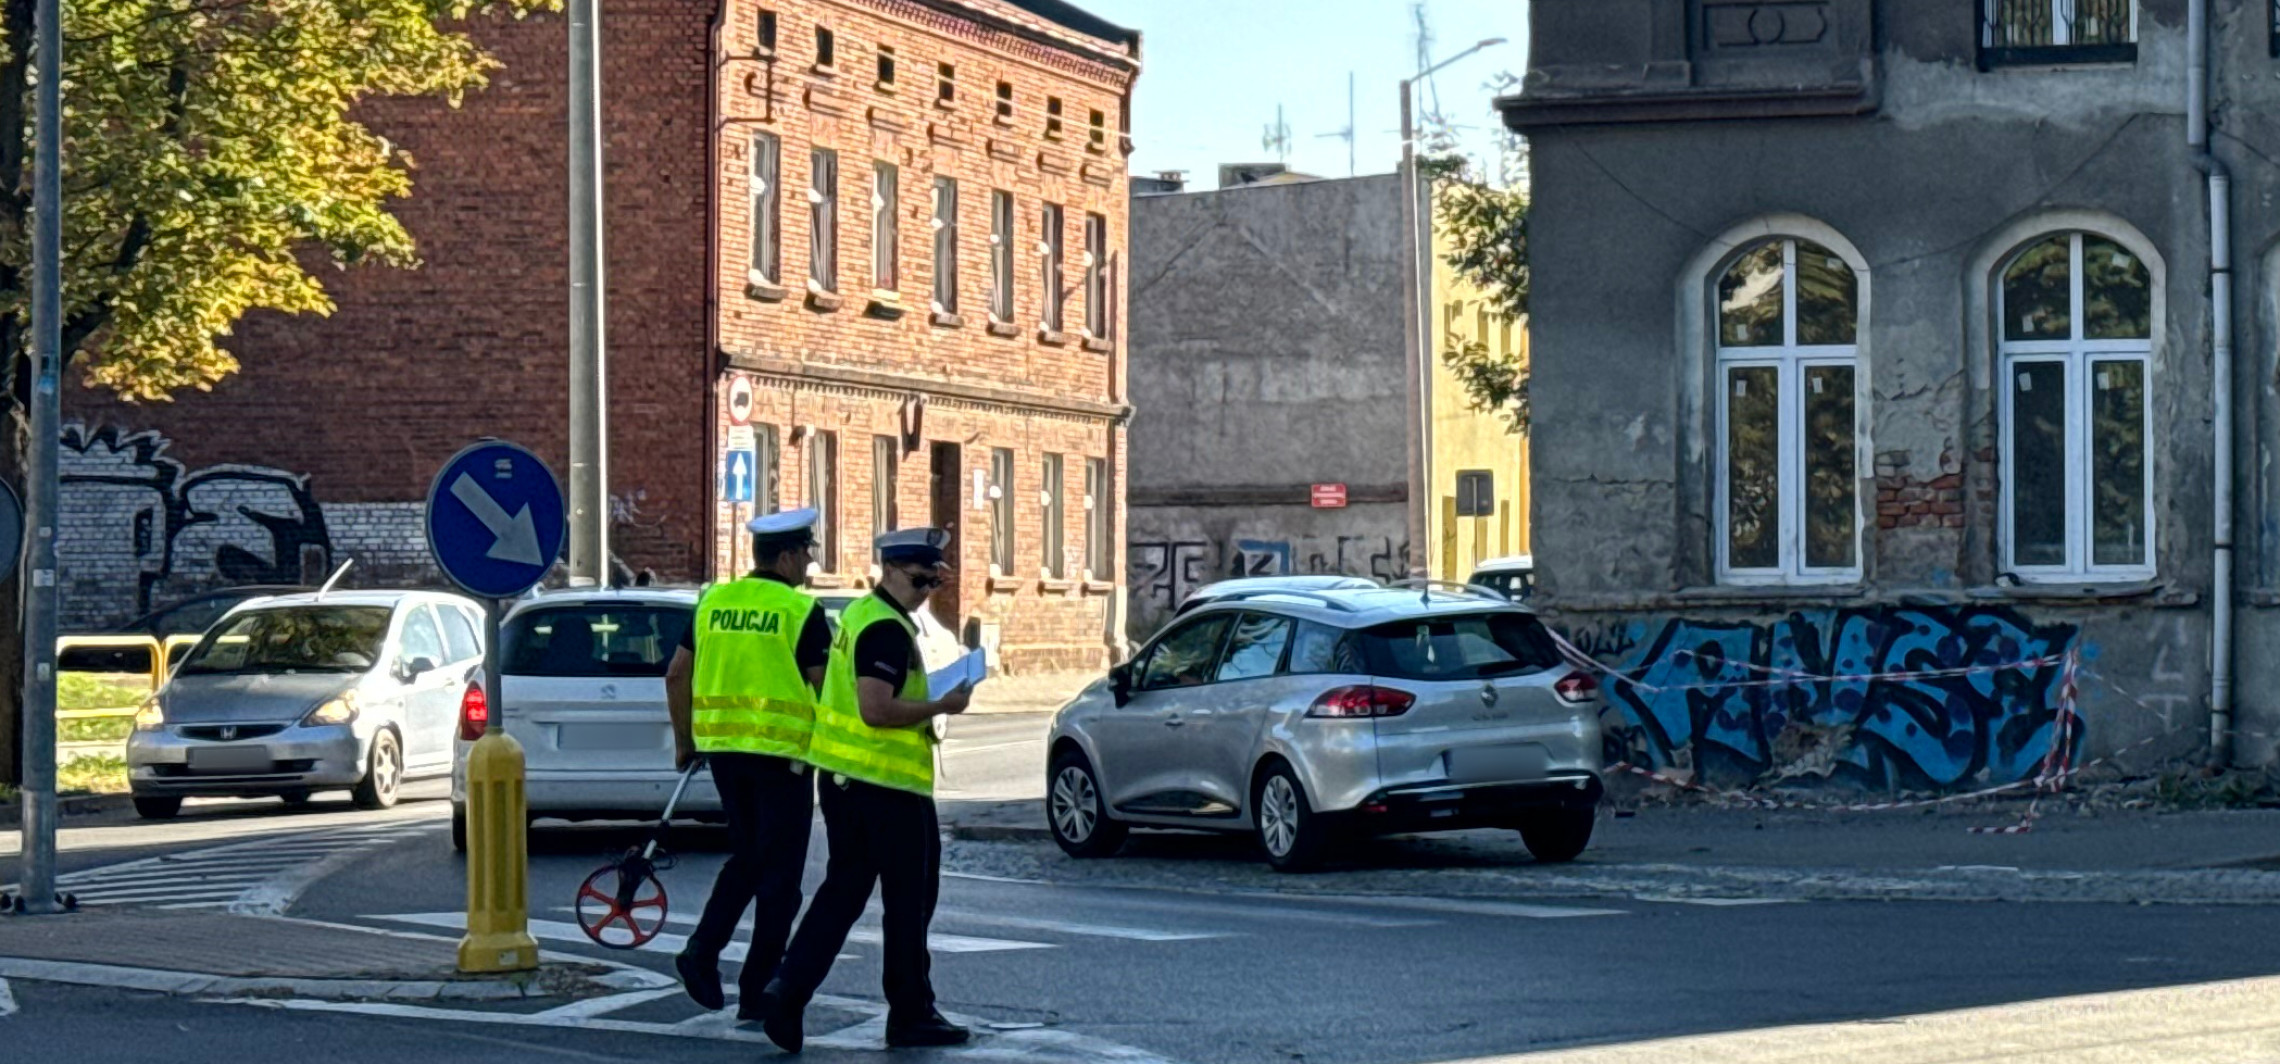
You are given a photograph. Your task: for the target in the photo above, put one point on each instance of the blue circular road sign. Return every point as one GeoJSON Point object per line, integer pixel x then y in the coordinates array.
{"type": "Point", "coordinates": [495, 519]}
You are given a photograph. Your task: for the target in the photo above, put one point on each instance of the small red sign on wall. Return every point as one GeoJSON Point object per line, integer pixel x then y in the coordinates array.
{"type": "Point", "coordinates": [1329, 496]}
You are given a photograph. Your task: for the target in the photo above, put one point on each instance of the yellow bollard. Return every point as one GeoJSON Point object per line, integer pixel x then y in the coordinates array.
{"type": "Point", "coordinates": [498, 860]}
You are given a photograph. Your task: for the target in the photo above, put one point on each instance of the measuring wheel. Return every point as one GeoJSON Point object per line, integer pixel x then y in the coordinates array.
{"type": "Point", "coordinates": [622, 905]}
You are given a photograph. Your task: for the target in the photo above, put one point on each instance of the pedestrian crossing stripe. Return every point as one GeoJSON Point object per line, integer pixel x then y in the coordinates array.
{"type": "Point", "coordinates": [221, 876]}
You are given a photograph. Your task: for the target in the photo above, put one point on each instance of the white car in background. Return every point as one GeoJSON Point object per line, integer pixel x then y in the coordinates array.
{"type": "Point", "coordinates": [583, 691]}
{"type": "Point", "coordinates": [937, 644]}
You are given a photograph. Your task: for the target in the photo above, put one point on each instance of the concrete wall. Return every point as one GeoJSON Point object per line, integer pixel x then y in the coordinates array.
{"type": "Point", "coordinates": [1266, 357]}
{"type": "Point", "coordinates": [1952, 168]}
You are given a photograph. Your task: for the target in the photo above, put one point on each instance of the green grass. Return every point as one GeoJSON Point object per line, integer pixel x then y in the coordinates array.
{"type": "Point", "coordinates": [92, 690]}
{"type": "Point", "coordinates": [97, 774]}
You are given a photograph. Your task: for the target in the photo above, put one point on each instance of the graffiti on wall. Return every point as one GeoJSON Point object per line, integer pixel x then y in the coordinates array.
{"type": "Point", "coordinates": [1720, 698]}
{"type": "Point", "coordinates": [1165, 572]}
{"type": "Point", "coordinates": [139, 529]}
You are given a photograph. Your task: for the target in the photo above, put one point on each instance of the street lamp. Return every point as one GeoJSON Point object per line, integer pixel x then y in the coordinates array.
{"type": "Point", "coordinates": [1416, 218]}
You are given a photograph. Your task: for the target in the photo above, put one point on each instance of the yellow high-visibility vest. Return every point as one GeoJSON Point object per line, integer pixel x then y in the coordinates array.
{"type": "Point", "coordinates": [900, 758]}
{"type": "Point", "coordinates": [748, 694]}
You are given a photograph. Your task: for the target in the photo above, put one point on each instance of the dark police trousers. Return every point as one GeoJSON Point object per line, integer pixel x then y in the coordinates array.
{"type": "Point", "coordinates": [883, 836]}
{"type": "Point", "coordinates": [771, 811]}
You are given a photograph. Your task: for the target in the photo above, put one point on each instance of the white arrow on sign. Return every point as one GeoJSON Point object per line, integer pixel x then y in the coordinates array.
{"type": "Point", "coordinates": [736, 475]}
{"type": "Point", "coordinates": [517, 536]}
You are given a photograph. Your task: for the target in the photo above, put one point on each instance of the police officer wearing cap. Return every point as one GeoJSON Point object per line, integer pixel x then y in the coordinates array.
{"type": "Point", "coordinates": [873, 749]}
{"type": "Point", "coordinates": [741, 690]}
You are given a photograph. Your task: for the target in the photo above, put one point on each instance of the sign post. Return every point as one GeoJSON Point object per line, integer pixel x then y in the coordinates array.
{"type": "Point", "coordinates": [495, 522]}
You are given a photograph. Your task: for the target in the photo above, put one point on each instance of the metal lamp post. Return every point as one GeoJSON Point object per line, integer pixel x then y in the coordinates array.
{"type": "Point", "coordinates": [1416, 218]}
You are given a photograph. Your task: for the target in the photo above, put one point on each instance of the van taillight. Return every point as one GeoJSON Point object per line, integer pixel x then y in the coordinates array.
{"type": "Point", "coordinates": [1362, 700]}
{"type": "Point", "coordinates": [474, 712]}
{"type": "Point", "coordinates": [1576, 688]}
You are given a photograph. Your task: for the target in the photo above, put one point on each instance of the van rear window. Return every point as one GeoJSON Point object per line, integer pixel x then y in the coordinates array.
{"type": "Point", "coordinates": [1461, 647]}
{"type": "Point", "coordinates": [596, 640]}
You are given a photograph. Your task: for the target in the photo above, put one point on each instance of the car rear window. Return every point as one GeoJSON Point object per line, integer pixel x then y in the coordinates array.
{"type": "Point", "coordinates": [1462, 647]}
{"type": "Point", "coordinates": [598, 640]}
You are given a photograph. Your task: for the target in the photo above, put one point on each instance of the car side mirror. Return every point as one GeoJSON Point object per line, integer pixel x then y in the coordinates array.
{"type": "Point", "coordinates": [1120, 683]}
{"type": "Point", "coordinates": [416, 668]}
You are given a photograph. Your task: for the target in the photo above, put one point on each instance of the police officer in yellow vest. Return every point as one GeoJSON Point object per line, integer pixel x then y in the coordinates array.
{"type": "Point", "coordinates": [742, 694]}
{"type": "Point", "coordinates": [873, 750]}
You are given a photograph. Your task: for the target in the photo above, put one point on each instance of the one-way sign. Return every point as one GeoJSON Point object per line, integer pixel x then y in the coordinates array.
{"type": "Point", "coordinates": [495, 519]}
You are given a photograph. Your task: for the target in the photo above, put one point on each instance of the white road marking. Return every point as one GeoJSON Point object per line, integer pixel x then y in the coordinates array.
{"type": "Point", "coordinates": [259, 876]}
{"type": "Point", "coordinates": [668, 942]}
{"type": "Point", "coordinates": [604, 1005]}
{"type": "Point", "coordinates": [170, 894]}
{"type": "Point", "coordinates": [1712, 903]}
{"type": "Point", "coordinates": [7, 1001]}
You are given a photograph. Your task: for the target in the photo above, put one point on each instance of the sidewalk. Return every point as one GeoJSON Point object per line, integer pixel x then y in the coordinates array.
{"type": "Point", "coordinates": [2143, 856]}
{"type": "Point", "coordinates": [1040, 693]}
{"type": "Point", "coordinates": [208, 954]}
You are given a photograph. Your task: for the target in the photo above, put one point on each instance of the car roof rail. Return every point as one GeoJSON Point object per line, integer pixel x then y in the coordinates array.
{"type": "Point", "coordinates": [1316, 597]}
{"type": "Point", "coordinates": [1428, 586]}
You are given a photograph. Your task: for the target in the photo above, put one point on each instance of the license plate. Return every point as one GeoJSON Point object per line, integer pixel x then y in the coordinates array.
{"type": "Point", "coordinates": [1525, 761]}
{"type": "Point", "coordinates": [628, 737]}
{"type": "Point", "coordinates": [232, 760]}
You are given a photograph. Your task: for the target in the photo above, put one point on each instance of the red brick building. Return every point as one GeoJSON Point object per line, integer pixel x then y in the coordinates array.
{"type": "Point", "coordinates": [321, 448]}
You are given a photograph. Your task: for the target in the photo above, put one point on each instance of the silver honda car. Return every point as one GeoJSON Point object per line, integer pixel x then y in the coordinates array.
{"type": "Point", "coordinates": [349, 690]}
{"type": "Point", "coordinates": [1304, 716]}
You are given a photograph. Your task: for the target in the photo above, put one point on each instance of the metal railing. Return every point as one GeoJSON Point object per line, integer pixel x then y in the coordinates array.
{"type": "Point", "coordinates": [2013, 24]}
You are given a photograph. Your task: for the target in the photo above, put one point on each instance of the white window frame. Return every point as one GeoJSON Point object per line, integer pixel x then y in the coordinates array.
{"type": "Point", "coordinates": [2076, 354]}
{"type": "Point", "coordinates": [766, 176]}
{"type": "Point", "coordinates": [1790, 360]}
{"type": "Point", "coordinates": [945, 226]}
{"type": "Point", "coordinates": [823, 220]}
{"type": "Point", "coordinates": [1002, 230]}
{"type": "Point", "coordinates": [886, 227]}
{"type": "Point", "coordinates": [1052, 248]}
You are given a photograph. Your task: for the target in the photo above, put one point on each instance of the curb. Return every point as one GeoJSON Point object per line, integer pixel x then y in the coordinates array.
{"type": "Point", "coordinates": [999, 833]}
{"type": "Point", "coordinates": [199, 984]}
{"type": "Point", "coordinates": [12, 812]}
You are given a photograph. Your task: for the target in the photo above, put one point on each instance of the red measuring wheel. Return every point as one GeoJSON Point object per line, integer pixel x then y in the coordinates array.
{"type": "Point", "coordinates": [622, 905]}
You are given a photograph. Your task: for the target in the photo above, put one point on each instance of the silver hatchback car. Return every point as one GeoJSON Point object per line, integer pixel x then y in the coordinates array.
{"type": "Point", "coordinates": [351, 690]}
{"type": "Point", "coordinates": [1306, 716]}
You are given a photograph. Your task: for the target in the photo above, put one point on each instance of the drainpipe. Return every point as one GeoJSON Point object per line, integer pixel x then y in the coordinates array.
{"type": "Point", "coordinates": [2198, 61]}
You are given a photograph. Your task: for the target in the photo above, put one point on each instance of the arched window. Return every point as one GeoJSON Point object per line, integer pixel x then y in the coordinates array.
{"type": "Point", "coordinates": [1788, 416]}
{"type": "Point", "coordinates": [2076, 314]}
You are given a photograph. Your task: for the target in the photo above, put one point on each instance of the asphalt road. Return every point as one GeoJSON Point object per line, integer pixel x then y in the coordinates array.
{"type": "Point", "coordinates": [1146, 974]}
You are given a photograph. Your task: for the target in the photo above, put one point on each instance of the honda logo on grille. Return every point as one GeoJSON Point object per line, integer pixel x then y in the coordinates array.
{"type": "Point", "coordinates": [229, 734]}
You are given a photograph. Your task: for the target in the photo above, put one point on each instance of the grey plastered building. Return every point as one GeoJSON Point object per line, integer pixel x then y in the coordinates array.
{"type": "Point", "coordinates": [1266, 358]}
{"type": "Point", "coordinates": [1875, 339]}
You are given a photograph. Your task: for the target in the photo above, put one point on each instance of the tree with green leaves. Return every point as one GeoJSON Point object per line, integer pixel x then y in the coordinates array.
{"type": "Point", "coordinates": [1486, 231]}
{"type": "Point", "coordinates": [212, 154]}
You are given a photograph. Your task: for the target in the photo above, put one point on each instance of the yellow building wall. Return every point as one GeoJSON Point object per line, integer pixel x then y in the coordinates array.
{"type": "Point", "coordinates": [1467, 440]}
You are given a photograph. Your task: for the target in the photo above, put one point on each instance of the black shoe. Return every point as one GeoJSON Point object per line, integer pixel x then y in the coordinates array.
{"type": "Point", "coordinates": [931, 1031]}
{"type": "Point", "coordinates": [702, 980]}
{"type": "Point", "coordinates": [780, 1019]}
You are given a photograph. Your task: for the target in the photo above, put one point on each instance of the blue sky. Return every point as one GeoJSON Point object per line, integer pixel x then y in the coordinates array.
{"type": "Point", "coordinates": [1213, 71]}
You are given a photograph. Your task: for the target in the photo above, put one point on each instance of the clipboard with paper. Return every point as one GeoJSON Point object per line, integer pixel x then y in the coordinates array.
{"type": "Point", "coordinates": [969, 670]}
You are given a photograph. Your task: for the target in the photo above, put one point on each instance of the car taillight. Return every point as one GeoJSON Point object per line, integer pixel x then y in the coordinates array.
{"type": "Point", "coordinates": [1576, 688]}
{"type": "Point", "coordinates": [474, 712]}
{"type": "Point", "coordinates": [1362, 700]}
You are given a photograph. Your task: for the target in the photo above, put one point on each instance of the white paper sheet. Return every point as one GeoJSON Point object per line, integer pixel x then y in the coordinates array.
{"type": "Point", "coordinates": [968, 670]}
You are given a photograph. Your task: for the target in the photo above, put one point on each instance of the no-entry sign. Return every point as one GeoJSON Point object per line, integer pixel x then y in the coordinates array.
{"type": "Point", "coordinates": [1329, 496]}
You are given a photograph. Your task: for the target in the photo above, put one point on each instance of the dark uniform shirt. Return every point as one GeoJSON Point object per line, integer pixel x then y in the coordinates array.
{"type": "Point", "coordinates": [814, 648]}
{"type": "Point", "coordinates": [886, 651]}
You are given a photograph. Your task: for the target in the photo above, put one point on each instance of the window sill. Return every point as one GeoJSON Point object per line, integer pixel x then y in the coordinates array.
{"type": "Point", "coordinates": [945, 106]}
{"type": "Point", "coordinates": [1099, 346]}
{"type": "Point", "coordinates": [1052, 337]}
{"type": "Point", "coordinates": [1004, 121]}
{"type": "Point", "coordinates": [1004, 329]}
{"type": "Point", "coordinates": [948, 320]}
{"type": "Point", "coordinates": [884, 308]}
{"type": "Point", "coordinates": [884, 88]}
{"type": "Point", "coordinates": [824, 70]}
{"type": "Point", "coordinates": [1052, 586]}
{"type": "Point", "coordinates": [1098, 147]}
{"type": "Point", "coordinates": [766, 292]}
{"type": "Point", "coordinates": [1006, 585]}
{"type": "Point", "coordinates": [2066, 55]}
{"type": "Point", "coordinates": [1743, 594]}
{"type": "Point", "coordinates": [2086, 592]}
{"type": "Point", "coordinates": [825, 302]}
{"type": "Point", "coordinates": [1099, 587]}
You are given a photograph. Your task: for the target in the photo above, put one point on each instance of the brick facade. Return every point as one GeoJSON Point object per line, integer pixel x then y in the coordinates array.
{"type": "Point", "coordinates": [366, 404]}
{"type": "Point", "coordinates": [859, 363]}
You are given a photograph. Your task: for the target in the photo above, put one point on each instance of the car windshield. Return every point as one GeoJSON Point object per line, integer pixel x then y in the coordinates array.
{"type": "Point", "coordinates": [600, 639]}
{"type": "Point", "coordinates": [293, 639]}
{"type": "Point", "coordinates": [1510, 583]}
{"type": "Point", "coordinates": [1466, 647]}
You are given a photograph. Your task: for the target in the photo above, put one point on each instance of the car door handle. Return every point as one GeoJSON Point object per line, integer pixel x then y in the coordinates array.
{"type": "Point", "coordinates": [1173, 721]}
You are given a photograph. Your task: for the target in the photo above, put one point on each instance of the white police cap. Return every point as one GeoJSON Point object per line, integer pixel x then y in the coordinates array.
{"type": "Point", "coordinates": [785, 523]}
{"type": "Point", "coordinates": [921, 545]}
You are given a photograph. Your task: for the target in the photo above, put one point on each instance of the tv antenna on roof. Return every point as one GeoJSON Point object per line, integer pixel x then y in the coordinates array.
{"type": "Point", "coordinates": [1346, 134]}
{"type": "Point", "coordinates": [1277, 138]}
